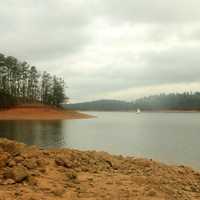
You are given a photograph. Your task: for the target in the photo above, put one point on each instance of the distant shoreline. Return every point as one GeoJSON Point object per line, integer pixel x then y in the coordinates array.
{"type": "Point", "coordinates": [39, 112]}
{"type": "Point", "coordinates": [146, 111]}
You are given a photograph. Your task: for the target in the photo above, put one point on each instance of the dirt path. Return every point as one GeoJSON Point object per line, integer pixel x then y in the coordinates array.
{"type": "Point", "coordinates": [40, 113]}
{"type": "Point", "coordinates": [30, 173]}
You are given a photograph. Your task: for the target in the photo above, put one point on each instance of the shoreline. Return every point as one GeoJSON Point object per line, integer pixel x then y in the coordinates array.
{"type": "Point", "coordinates": [40, 113]}
{"type": "Point", "coordinates": [29, 172]}
{"type": "Point", "coordinates": [145, 111]}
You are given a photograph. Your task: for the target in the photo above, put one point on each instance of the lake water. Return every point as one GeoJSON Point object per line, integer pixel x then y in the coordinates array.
{"type": "Point", "coordinates": [170, 137]}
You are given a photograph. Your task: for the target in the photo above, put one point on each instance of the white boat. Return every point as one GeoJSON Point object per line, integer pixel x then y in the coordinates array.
{"type": "Point", "coordinates": [138, 111]}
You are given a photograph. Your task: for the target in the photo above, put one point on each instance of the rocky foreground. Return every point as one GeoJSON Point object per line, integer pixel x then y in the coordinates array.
{"type": "Point", "coordinates": [30, 173]}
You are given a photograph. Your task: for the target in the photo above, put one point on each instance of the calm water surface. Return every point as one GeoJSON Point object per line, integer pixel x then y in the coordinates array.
{"type": "Point", "coordinates": [169, 137]}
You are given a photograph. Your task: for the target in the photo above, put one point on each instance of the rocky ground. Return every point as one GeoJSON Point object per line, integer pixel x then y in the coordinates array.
{"type": "Point", "coordinates": [30, 173]}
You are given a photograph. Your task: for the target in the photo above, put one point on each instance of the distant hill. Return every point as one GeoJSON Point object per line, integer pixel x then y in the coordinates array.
{"type": "Point", "coordinates": [178, 101]}
{"type": "Point", "coordinates": [101, 105]}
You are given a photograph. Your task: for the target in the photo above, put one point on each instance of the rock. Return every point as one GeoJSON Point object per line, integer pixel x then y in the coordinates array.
{"type": "Point", "coordinates": [12, 148]}
{"type": "Point", "coordinates": [11, 163]}
{"type": "Point", "coordinates": [19, 159]}
{"type": "Point", "coordinates": [151, 193]}
{"type": "Point", "coordinates": [58, 191]}
{"type": "Point", "coordinates": [194, 189]}
{"type": "Point", "coordinates": [17, 173]}
{"type": "Point", "coordinates": [42, 170]}
{"type": "Point", "coordinates": [64, 163]}
{"type": "Point", "coordinates": [9, 182]}
{"type": "Point", "coordinates": [32, 181]}
{"type": "Point", "coordinates": [41, 162]}
{"type": "Point", "coordinates": [30, 164]}
{"type": "Point", "coordinates": [7, 173]}
{"type": "Point", "coordinates": [71, 175]}
{"type": "Point", "coordinates": [3, 159]}
{"type": "Point", "coordinates": [60, 162]}
{"type": "Point", "coordinates": [20, 173]}
{"type": "Point", "coordinates": [142, 163]}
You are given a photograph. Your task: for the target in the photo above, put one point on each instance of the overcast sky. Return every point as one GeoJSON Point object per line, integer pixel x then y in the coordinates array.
{"type": "Point", "coordinates": [107, 49]}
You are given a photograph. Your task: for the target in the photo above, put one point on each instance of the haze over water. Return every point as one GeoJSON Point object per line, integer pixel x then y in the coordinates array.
{"type": "Point", "coordinates": [169, 137]}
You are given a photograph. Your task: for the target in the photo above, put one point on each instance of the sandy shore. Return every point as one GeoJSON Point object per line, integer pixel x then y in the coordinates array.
{"type": "Point", "coordinates": [40, 113]}
{"type": "Point", "coordinates": [30, 173]}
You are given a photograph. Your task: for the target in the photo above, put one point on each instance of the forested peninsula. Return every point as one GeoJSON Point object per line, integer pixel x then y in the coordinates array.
{"type": "Point", "coordinates": [21, 83]}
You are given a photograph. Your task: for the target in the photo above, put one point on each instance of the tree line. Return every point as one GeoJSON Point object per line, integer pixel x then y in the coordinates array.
{"type": "Point", "coordinates": [173, 101]}
{"type": "Point", "coordinates": [23, 83]}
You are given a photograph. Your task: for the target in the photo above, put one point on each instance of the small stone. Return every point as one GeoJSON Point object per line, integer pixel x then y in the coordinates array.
{"type": "Point", "coordinates": [9, 182]}
{"type": "Point", "coordinates": [58, 191]}
{"type": "Point", "coordinates": [41, 162]}
{"type": "Point", "coordinates": [42, 170]}
{"type": "Point", "coordinates": [8, 173]}
{"type": "Point", "coordinates": [64, 163]}
{"type": "Point", "coordinates": [90, 179]}
{"type": "Point", "coordinates": [32, 181]}
{"type": "Point", "coordinates": [19, 159]}
{"type": "Point", "coordinates": [194, 189]}
{"type": "Point", "coordinates": [71, 175]}
{"type": "Point", "coordinates": [3, 159]}
{"type": "Point", "coordinates": [60, 162]}
{"type": "Point", "coordinates": [11, 163]}
{"type": "Point", "coordinates": [151, 193]}
{"type": "Point", "coordinates": [30, 164]}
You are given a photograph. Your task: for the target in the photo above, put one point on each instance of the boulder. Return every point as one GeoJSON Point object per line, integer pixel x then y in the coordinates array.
{"type": "Point", "coordinates": [17, 173]}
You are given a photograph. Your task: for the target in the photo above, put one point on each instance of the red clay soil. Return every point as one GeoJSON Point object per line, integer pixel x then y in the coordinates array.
{"type": "Point", "coordinates": [40, 113]}
{"type": "Point", "coordinates": [30, 173]}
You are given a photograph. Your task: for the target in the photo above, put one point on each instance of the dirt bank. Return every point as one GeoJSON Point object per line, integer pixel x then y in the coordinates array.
{"type": "Point", "coordinates": [40, 113]}
{"type": "Point", "coordinates": [30, 173]}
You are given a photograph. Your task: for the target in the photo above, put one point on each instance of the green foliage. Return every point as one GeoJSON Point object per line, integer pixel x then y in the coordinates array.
{"type": "Point", "coordinates": [22, 83]}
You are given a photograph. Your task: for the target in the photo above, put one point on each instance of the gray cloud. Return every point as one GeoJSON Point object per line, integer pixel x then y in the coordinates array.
{"type": "Point", "coordinates": [174, 65]}
{"type": "Point", "coordinates": [37, 30]}
{"type": "Point", "coordinates": [105, 47]}
{"type": "Point", "coordinates": [171, 66]}
{"type": "Point", "coordinates": [178, 11]}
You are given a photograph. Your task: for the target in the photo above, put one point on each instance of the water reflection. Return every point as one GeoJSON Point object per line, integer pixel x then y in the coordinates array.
{"type": "Point", "coordinates": [42, 133]}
